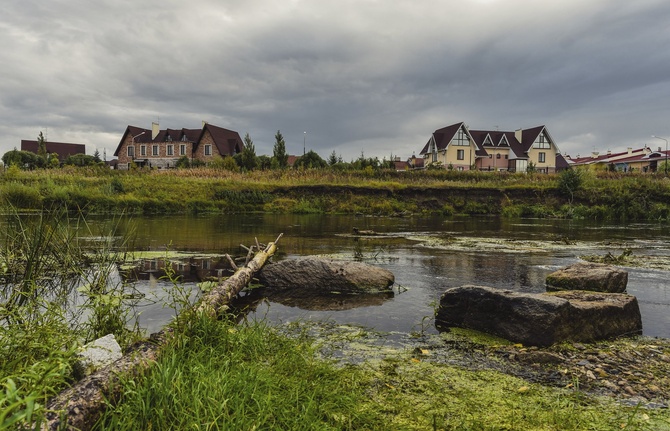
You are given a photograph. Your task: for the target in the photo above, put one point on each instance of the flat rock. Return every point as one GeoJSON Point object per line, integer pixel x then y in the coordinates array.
{"type": "Point", "coordinates": [596, 277]}
{"type": "Point", "coordinates": [540, 319]}
{"type": "Point", "coordinates": [97, 354]}
{"type": "Point", "coordinates": [326, 275]}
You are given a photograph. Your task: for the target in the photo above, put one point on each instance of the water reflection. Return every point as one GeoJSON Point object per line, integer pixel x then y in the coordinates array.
{"type": "Point", "coordinates": [423, 272]}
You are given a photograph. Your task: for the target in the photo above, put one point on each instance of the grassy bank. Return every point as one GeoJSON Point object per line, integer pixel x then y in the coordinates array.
{"type": "Point", "coordinates": [220, 376]}
{"type": "Point", "coordinates": [603, 196]}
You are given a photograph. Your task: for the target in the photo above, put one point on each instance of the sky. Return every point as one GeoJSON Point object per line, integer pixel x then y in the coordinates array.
{"type": "Point", "coordinates": [371, 77]}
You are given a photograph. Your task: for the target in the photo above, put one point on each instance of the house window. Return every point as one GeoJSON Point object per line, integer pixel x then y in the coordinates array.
{"type": "Point", "coordinates": [154, 150]}
{"type": "Point", "coordinates": [143, 150]}
{"type": "Point", "coordinates": [461, 139]}
{"type": "Point", "coordinates": [168, 138]}
{"type": "Point", "coordinates": [208, 150]}
{"type": "Point", "coordinates": [131, 151]}
{"type": "Point", "coordinates": [542, 142]}
{"type": "Point", "coordinates": [170, 150]}
{"type": "Point", "coordinates": [506, 157]}
{"type": "Point", "coordinates": [183, 138]}
{"type": "Point", "coordinates": [182, 150]}
{"type": "Point", "coordinates": [542, 157]}
{"type": "Point", "coordinates": [460, 154]}
{"type": "Point", "coordinates": [498, 156]}
{"type": "Point", "coordinates": [487, 141]}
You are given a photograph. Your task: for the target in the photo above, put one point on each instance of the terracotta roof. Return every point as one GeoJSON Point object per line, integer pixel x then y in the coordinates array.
{"type": "Point", "coordinates": [61, 148]}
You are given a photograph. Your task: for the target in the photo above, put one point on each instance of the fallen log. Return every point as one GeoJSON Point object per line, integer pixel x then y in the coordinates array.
{"type": "Point", "coordinates": [80, 406]}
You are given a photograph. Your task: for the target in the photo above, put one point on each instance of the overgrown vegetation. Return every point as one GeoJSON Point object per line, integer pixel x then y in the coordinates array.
{"type": "Point", "coordinates": [226, 188]}
{"type": "Point", "coordinates": [56, 293]}
{"type": "Point", "coordinates": [222, 376]}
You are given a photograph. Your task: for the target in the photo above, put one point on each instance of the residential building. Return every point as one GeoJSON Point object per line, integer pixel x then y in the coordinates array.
{"type": "Point", "coordinates": [632, 160]}
{"type": "Point", "coordinates": [62, 149]}
{"type": "Point", "coordinates": [163, 148]}
{"type": "Point", "coordinates": [458, 147]}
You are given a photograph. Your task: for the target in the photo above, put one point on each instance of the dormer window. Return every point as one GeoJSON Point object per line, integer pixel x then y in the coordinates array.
{"type": "Point", "coordinates": [487, 141]}
{"type": "Point", "coordinates": [168, 138]}
{"type": "Point", "coordinates": [183, 138]}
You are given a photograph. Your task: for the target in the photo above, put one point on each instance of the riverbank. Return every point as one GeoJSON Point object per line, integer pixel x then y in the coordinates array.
{"type": "Point", "coordinates": [315, 376]}
{"type": "Point", "coordinates": [603, 196]}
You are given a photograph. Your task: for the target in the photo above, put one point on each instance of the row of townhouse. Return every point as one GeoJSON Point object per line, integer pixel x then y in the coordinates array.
{"type": "Point", "coordinates": [162, 149]}
{"type": "Point", "coordinates": [460, 148]}
{"type": "Point", "coordinates": [632, 160]}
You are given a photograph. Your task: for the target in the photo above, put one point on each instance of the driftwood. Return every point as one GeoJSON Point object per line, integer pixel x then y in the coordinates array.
{"type": "Point", "coordinates": [80, 406]}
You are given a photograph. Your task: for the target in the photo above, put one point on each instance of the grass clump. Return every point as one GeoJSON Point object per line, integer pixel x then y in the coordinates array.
{"type": "Point", "coordinates": [224, 377]}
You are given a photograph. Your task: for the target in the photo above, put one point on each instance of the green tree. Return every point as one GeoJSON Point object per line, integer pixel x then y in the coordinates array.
{"type": "Point", "coordinates": [310, 160]}
{"type": "Point", "coordinates": [23, 159]}
{"type": "Point", "coordinates": [248, 159]}
{"type": "Point", "coordinates": [569, 182]}
{"type": "Point", "coordinates": [279, 151]}
{"type": "Point", "coordinates": [96, 156]}
{"type": "Point", "coordinates": [42, 146]}
{"type": "Point", "coordinates": [332, 159]}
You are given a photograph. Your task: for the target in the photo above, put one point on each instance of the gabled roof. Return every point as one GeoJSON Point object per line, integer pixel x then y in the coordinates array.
{"type": "Point", "coordinates": [442, 137]}
{"type": "Point", "coordinates": [226, 141]}
{"type": "Point", "coordinates": [63, 149]}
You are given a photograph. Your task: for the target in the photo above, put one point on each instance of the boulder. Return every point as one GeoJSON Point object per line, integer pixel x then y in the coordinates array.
{"type": "Point", "coordinates": [326, 275]}
{"type": "Point", "coordinates": [540, 319]}
{"type": "Point", "coordinates": [96, 355]}
{"type": "Point", "coordinates": [596, 277]}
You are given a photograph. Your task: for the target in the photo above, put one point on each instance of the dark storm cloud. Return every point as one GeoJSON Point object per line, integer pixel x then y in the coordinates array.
{"type": "Point", "coordinates": [355, 75]}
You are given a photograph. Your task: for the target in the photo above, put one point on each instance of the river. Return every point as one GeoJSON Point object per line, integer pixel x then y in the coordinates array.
{"type": "Point", "coordinates": [427, 255]}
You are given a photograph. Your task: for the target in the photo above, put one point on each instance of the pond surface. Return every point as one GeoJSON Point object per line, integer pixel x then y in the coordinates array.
{"type": "Point", "coordinates": [427, 256]}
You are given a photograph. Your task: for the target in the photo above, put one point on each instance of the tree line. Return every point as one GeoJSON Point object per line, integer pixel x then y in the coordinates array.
{"type": "Point", "coordinates": [246, 160]}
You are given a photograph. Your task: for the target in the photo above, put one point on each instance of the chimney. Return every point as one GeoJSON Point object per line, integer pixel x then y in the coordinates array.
{"type": "Point", "coordinates": [518, 134]}
{"type": "Point", "coordinates": [630, 150]}
{"type": "Point", "coordinates": [154, 130]}
{"type": "Point", "coordinates": [609, 152]}
{"type": "Point", "coordinates": [594, 155]}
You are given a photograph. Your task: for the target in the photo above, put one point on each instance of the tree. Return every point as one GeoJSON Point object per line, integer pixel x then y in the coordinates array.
{"type": "Point", "coordinates": [310, 160]}
{"type": "Point", "coordinates": [23, 159]}
{"type": "Point", "coordinates": [96, 156]}
{"type": "Point", "coordinates": [279, 151]}
{"type": "Point", "coordinates": [569, 182]}
{"type": "Point", "coordinates": [248, 159]}
{"type": "Point", "coordinates": [42, 146]}
{"type": "Point", "coordinates": [332, 159]}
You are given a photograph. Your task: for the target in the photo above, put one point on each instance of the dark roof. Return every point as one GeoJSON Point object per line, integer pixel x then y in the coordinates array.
{"type": "Point", "coordinates": [226, 141]}
{"type": "Point", "coordinates": [442, 137]}
{"type": "Point", "coordinates": [561, 163]}
{"type": "Point", "coordinates": [61, 148]}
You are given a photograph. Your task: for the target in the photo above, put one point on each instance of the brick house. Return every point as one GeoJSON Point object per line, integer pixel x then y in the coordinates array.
{"type": "Point", "coordinates": [458, 147]}
{"type": "Point", "coordinates": [163, 148]}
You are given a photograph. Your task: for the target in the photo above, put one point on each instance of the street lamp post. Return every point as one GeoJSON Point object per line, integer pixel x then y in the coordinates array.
{"type": "Point", "coordinates": [304, 142]}
{"type": "Point", "coordinates": [666, 152]}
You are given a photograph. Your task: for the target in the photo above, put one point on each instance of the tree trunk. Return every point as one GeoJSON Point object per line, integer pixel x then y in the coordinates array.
{"type": "Point", "coordinates": [80, 406]}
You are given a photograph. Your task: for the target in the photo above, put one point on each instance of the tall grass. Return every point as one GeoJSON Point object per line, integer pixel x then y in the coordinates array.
{"type": "Point", "coordinates": [614, 196]}
{"type": "Point", "coordinates": [56, 293]}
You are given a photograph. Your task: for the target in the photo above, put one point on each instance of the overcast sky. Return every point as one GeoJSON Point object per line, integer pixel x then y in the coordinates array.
{"type": "Point", "coordinates": [358, 76]}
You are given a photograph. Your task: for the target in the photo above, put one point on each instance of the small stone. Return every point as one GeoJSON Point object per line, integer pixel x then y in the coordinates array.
{"type": "Point", "coordinates": [590, 375]}
{"type": "Point", "coordinates": [609, 385]}
{"type": "Point", "coordinates": [629, 390]}
{"type": "Point", "coordinates": [654, 388]}
{"type": "Point", "coordinates": [600, 372]}
{"type": "Point", "coordinates": [578, 346]}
